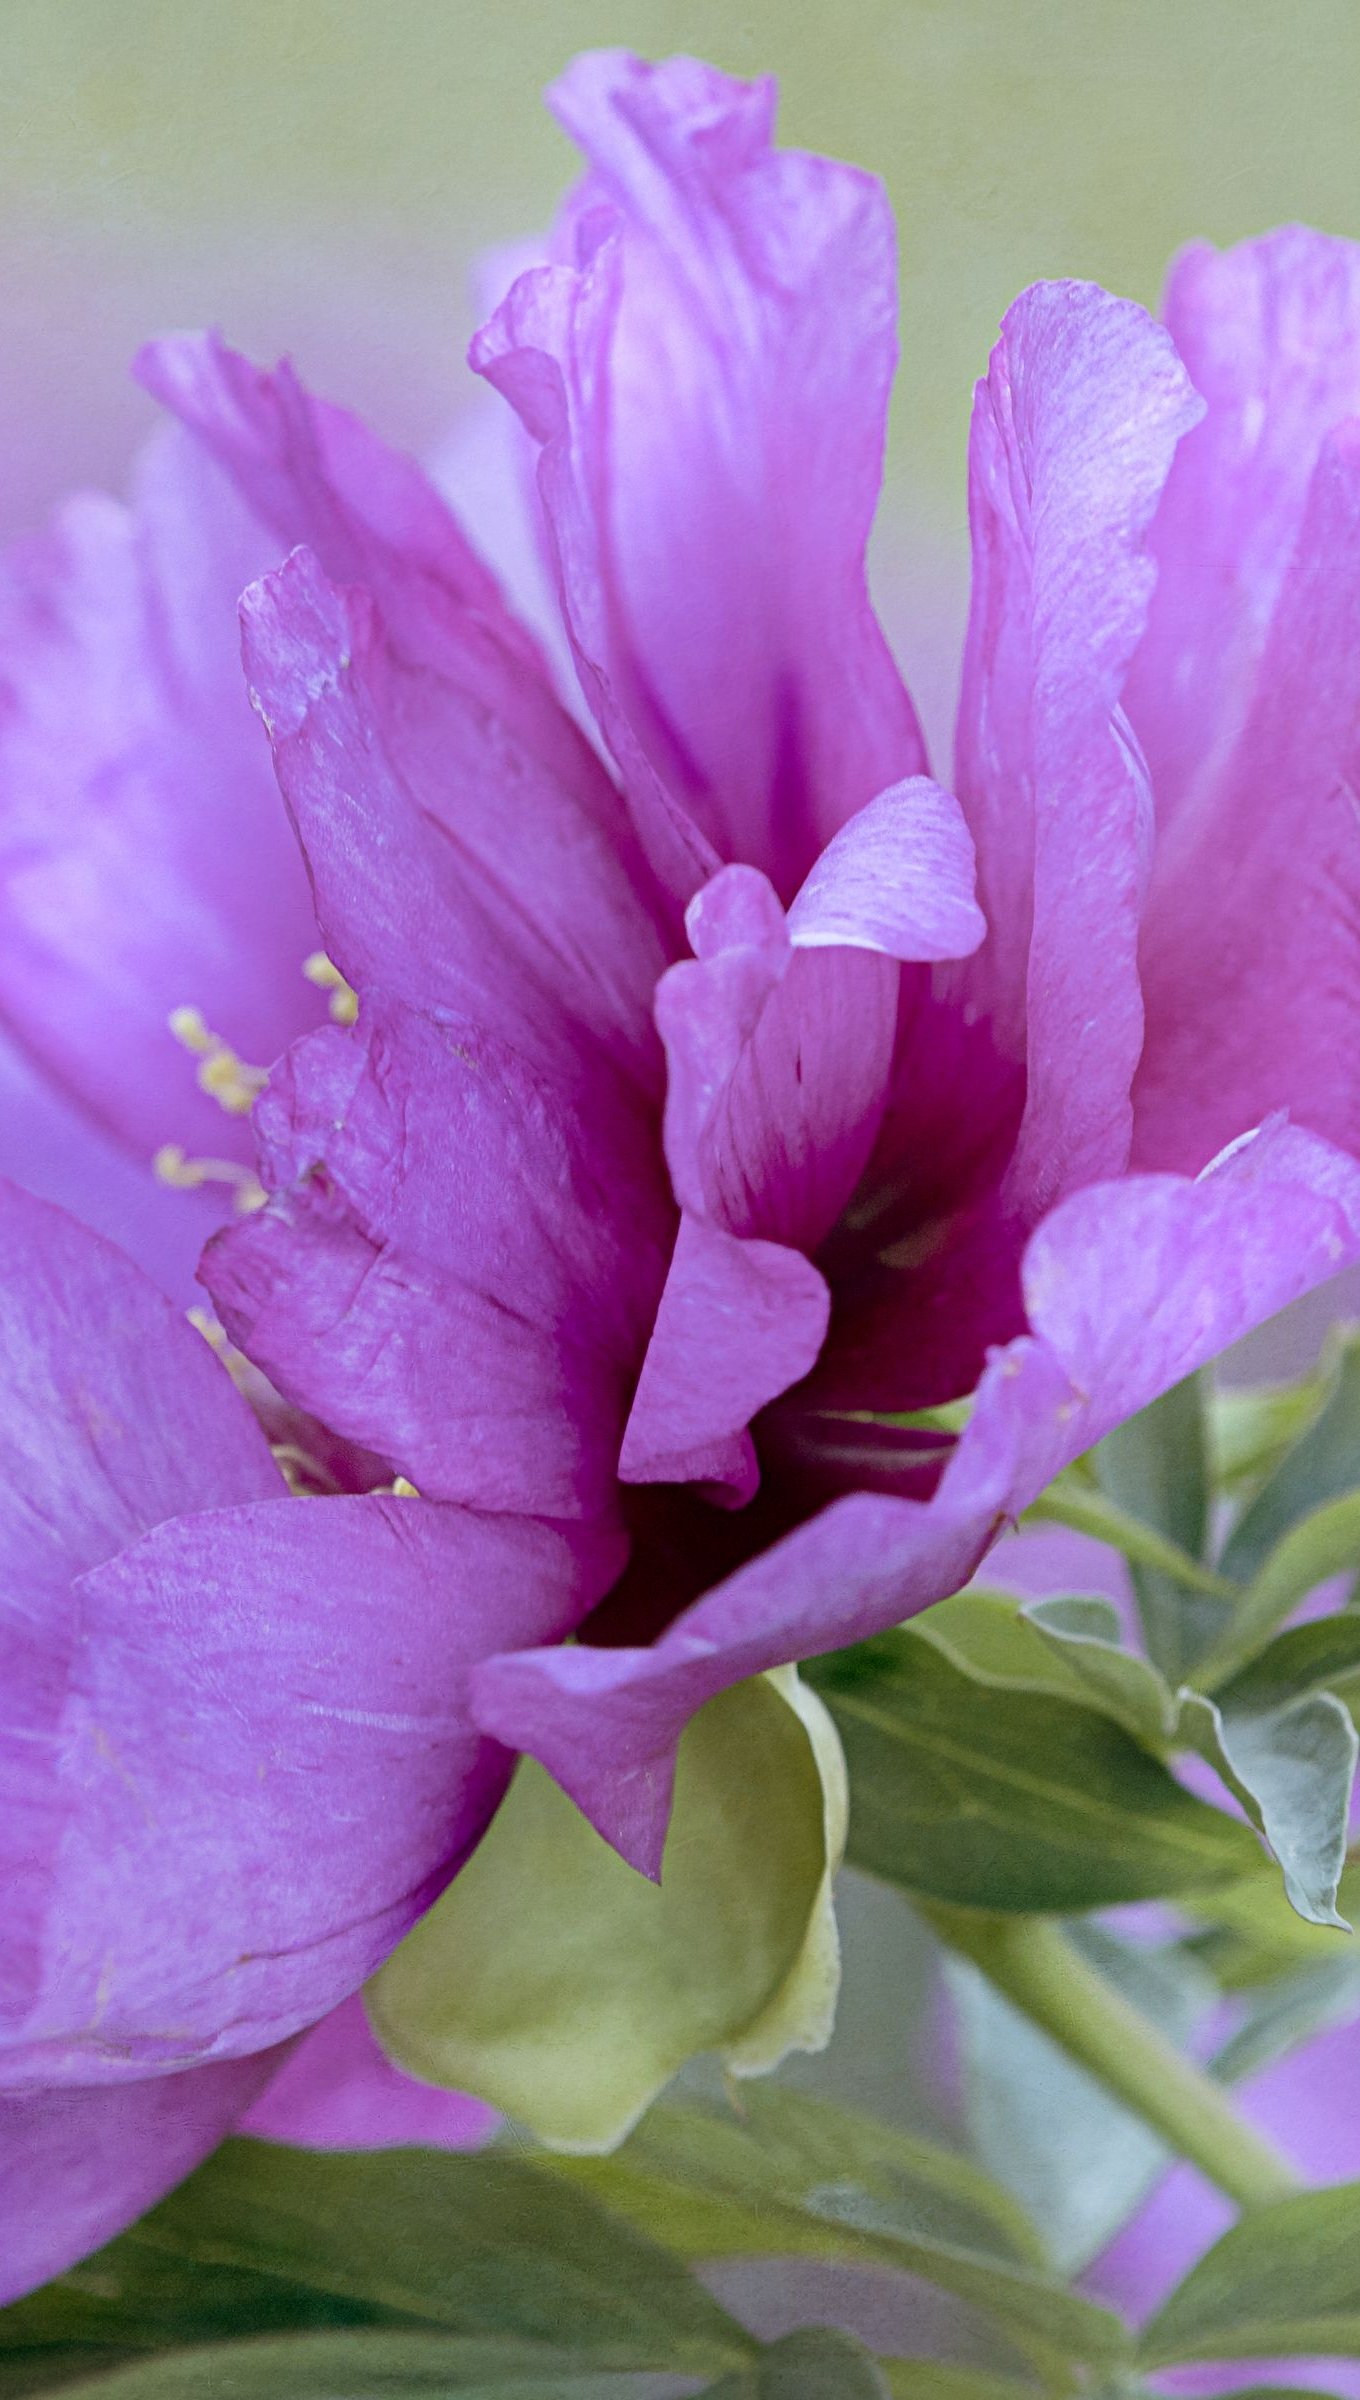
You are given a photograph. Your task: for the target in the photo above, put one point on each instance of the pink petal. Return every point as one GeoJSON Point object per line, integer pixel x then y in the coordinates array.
{"type": "Point", "coordinates": [739, 1322]}
{"type": "Point", "coordinates": [76, 2167]}
{"type": "Point", "coordinates": [336, 2091]}
{"type": "Point", "coordinates": [1270, 332]}
{"type": "Point", "coordinates": [145, 861]}
{"type": "Point", "coordinates": [1128, 1287]}
{"type": "Point", "coordinates": [1073, 434]}
{"type": "Point", "coordinates": [709, 378]}
{"type": "Point", "coordinates": [265, 1770]}
{"type": "Point", "coordinates": [1251, 954]}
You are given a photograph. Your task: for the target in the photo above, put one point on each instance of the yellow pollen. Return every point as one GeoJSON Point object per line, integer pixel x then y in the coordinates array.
{"type": "Point", "coordinates": [184, 1174]}
{"type": "Point", "coordinates": [324, 973]}
{"type": "Point", "coordinates": [222, 1074]}
{"type": "Point", "coordinates": [402, 1489]}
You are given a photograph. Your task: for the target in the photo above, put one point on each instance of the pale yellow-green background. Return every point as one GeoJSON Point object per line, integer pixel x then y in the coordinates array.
{"type": "Point", "coordinates": [316, 174]}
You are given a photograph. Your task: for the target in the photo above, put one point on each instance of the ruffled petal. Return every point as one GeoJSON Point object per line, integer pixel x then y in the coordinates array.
{"type": "Point", "coordinates": [1270, 332]}
{"type": "Point", "coordinates": [1251, 950]}
{"type": "Point", "coordinates": [336, 2091]}
{"type": "Point", "coordinates": [1128, 1288]}
{"type": "Point", "coordinates": [264, 1769]}
{"type": "Point", "coordinates": [77, 2166]}
{"type": "Point", "coordinates": [460, 1264]}
{"type": "Point", "coordinates": [467, 851]}
{"type": "Point", "coordinates": [145, 861]}
{"type": "Point", "coordinates": [1074, 430]}
{"type": "Point", "coordinates": [779, 1039]}
{"type": "Point", "coordinates": [708, 376]}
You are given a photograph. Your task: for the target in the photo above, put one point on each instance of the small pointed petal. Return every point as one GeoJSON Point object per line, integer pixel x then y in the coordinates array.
{"type": "Point", "coordinates": [708, 375]}
{"type": "Point", "coordinates": [1128, 1288]}
{"type": "Point", "coordinates": [739, 1321]}
{"type": "Point", "coordinates": [1074, 430]}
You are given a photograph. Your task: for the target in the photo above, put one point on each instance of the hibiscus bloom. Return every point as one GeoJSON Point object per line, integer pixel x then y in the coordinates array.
{"type": "Point", "coordinates": [696, 1125]}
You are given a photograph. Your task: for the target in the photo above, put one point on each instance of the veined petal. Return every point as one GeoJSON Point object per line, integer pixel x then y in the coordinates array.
{"type": "Point", "coordinates": [115, 1415]}
{"type": "Point", "coordinates": [461, 1261]}
{"type": "Point", "coordinates": [1270, 333]}
{"type": "Point", "coordinates": [1074, 429]}
{"type": "Point", "coordinates": [264, 1767]}
{"type": "Point", "coordinates": [145, 862]}
{"type": "Point", "coordinates": [455, 866]}
{"type": "Point", "coordinates": [1128, 1288]}
{"type": "Point", "coordinates": [77, 2166]}
{"type": "Point", "coordinates": [1251, 949]}
{"type": "Point", "coordinates": [708, 374]}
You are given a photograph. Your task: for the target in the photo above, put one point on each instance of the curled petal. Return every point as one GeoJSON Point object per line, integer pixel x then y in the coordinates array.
{"type": "Point", "coordinates": [708, 375]}
{"type": "Point", "coordinates": [1128, 1288]}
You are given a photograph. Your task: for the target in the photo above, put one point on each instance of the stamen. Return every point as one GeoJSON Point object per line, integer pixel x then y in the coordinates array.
{"type": "Point", "coordinates": [223, 1075]}
{"type": "Point", "coordinates": [171, 1165]}
{"type": "Point", "coordinates": [324, 973]}
{"type": "Point", "coordinates": [402, 1489]}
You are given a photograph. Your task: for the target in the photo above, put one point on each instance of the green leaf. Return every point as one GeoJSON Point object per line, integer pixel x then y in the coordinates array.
{"type": "Point", "coordinates": [1322, 1465]}
{"type": "Point", "coordinates": [1257, 1936]}
{"type": "Point", "coordinates": [1250, 1428]}
{"type": "Point", "coordinates": [1322, 1655]}
{"type": "Point", "coordinates": [353, 2366]}
{"type": "Point", "coordinates": [1155, 1467]}
{"type": "Point", "coordinates": [567, 1989]}
{"type": "Point", "coordinates": [1317, 1547]}
{"type": "Point", "coordinates": [1077, 2160]}
{"type": "Point", "coordinates": [1086, 1636]}
{"type": "Point", "coordinates": [1284, 2282]}
{"type": "Point", "coordinates": [265, 2240]}
{"type": "Point", "coordinates": [818, 2364]}
{"type": "Point", "coordinates": [991, 1795]}
{"type": "Point", "coordinates": [793, 2177]}
{"type": "Point", "coordinates": [1291, 1769]}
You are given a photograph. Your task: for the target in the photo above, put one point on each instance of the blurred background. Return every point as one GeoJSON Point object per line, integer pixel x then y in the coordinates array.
{"type": "Point", "coordinates": [318, 176]}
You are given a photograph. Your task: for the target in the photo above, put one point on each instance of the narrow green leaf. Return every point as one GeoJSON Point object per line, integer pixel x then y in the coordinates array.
{"type": "Point", "coordinates": [1073, 1502]}
{"type": "Point", "coordinates": [1317, 1547]}
{"type": "Point", "coordinates": [1155, 1468]}
{"type": "Point", "coordinates": [1284, 2282]}
{"type": "Point", "coordinates": [1323, 1655]}
{"type": "Point", "coordinates": [990, 1795]}
{"type": "Point", "coordinates": [354, 2366]}
{"type": "Point", "coordinates": [263, 2240]}
{"type": "Point", "coordinates": [793, 2177]}
{"type": "Point", "coordinates": [817, 2364]}
{"type": "Point", "coordinates": [1322, 1465]}
{"type": "Point", "coordinates": [567, 1989]}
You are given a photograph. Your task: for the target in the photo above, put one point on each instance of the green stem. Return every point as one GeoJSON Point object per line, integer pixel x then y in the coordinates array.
{"type": "Point", "coordinates": [1033, 1963]}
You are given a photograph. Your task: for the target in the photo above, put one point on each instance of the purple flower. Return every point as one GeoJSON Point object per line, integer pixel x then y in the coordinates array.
{"type": "Point", "coordinates": [700, 1122]}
